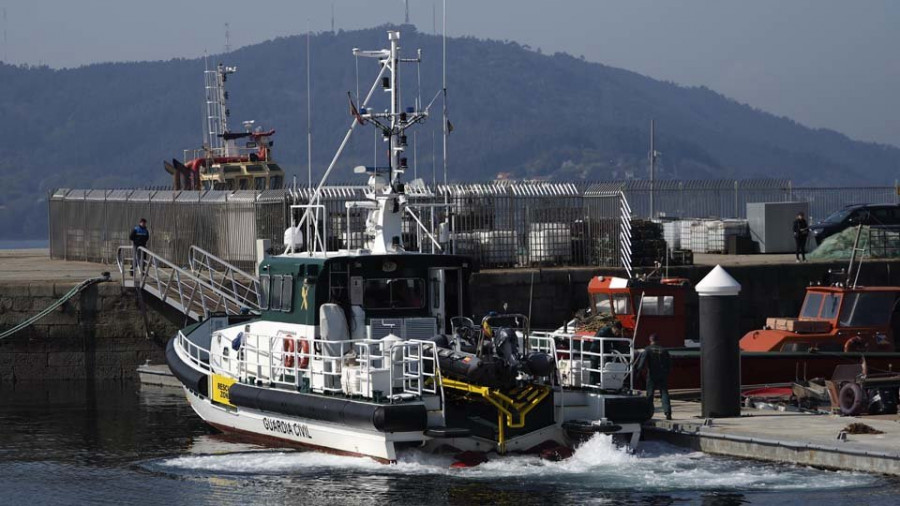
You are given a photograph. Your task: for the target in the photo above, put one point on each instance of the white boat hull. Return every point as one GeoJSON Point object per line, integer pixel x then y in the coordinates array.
{"type": "Point", "coordinates": [301, 431]}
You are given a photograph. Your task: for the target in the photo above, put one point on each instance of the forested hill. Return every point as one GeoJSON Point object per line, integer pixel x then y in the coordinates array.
{"type": "Point", "coordinates": [513, 110]}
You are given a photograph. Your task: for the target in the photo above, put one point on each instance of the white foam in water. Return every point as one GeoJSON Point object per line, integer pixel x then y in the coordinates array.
{"type": "Point", "coordinates": [597, 463]}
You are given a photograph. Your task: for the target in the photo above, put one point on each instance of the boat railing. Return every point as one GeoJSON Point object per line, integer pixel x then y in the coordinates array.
{"type": "Point", "coordinates": [247, 154]}
{"type": "Point", "coordinates": [197, 355]}
{"type": "Point", "coordinates": [326, 366]}
{"type": "Point", "coordinates": [420, 367]}
{"type": "Point", "coordinates": [598, 363]}
{"type": "Point", "coordinates": [226, 278]}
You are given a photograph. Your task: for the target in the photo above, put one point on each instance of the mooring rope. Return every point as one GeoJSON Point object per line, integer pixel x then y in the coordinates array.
{"type": "Point", "coordinates": [49, 309]}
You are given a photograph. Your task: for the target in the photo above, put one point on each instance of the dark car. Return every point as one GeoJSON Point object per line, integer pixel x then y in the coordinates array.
{"type": "Point", "coordinates": [856, 214]}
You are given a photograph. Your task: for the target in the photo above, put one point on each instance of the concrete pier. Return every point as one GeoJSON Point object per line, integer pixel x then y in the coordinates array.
{"type": "Point", "coordinates": [786, 437]}
{"type": "Point", "coordinates": [99, 334]}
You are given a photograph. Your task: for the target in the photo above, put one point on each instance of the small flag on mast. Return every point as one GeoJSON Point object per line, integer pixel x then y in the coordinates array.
{"type": "Point", "coordinates": [449, 126]}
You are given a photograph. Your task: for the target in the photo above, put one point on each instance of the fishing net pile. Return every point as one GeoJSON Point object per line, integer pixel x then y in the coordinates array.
{"type": "Point", "coordinates": [876, 242]}
{"type": "Point", "coordinates": [586, 321]}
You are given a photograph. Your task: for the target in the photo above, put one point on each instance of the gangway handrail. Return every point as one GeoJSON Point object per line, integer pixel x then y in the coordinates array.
{"type": "Point", "coordinates": [149, 267]}
{"type": "Point", "coordinates": [244, 287]}
{"type": "Point", "coordinates": [190, 289]}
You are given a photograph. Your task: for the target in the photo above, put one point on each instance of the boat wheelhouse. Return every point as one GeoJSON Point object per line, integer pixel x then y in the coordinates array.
{"type": "Point", "coordinates": [228, 160]}
{"type": "Point", "coordinates": [834, 318]}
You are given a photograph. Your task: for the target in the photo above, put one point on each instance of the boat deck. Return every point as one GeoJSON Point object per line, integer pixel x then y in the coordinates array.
{"type": "Point", "coordinates": [788, 437]}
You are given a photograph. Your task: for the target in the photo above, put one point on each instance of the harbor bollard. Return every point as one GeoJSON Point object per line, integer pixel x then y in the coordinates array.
{"type": "Point", "coordinates": [720, 353]}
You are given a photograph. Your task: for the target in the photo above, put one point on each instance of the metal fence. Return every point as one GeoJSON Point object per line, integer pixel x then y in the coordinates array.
{"type": "Point", "coordinates": [728, 198]}
{"type": "Point", "coordinates": [501, 224]}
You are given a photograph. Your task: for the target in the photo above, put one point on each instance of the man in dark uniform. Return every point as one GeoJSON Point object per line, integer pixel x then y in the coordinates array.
{"type": "Point", "coordinates": [801, 233]}
{"type": "Point", "coordinates": [139, 236]}
{"type": "Point", "coordinates": [658, 363]}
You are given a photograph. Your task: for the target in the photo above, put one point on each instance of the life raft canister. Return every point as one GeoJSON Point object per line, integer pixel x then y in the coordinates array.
{"type": "Point", "coordinates": [289, 346]}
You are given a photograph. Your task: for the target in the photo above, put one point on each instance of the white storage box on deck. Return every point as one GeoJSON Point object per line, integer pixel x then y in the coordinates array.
{"type": "Point", "coordinates": [571, 372]}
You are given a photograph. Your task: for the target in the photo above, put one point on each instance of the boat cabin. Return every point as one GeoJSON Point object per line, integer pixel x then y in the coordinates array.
{"type": "Point", "coordinates": [834, 318]}
{"type": "Point", "coordinates": [411, 295]}
{"type": "Point", "coordinates": [661, 304]}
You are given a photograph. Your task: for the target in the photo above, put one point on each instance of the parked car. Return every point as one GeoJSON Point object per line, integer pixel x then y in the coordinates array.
{"type": "Point", "coordinates": [855, 214]}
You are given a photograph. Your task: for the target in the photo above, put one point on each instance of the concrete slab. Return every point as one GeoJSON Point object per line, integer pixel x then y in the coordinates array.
{"type": "Point", "coordinates": [788, 437]}
{"type": "Point", "coordinates": [35, 265]}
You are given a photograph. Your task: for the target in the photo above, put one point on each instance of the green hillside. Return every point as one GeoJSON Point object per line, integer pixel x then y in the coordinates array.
{"type": "Point", "coordinates": [513, 110]}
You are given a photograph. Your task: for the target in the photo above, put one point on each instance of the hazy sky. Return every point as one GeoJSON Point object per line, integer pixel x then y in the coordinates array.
{"type": "Point", "coordinates": [824, 63]}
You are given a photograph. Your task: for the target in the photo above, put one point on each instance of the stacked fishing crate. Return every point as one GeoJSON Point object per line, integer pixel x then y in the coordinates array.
{"type": "Point", "coordinates": [704, 236]}
{"type": "Point", "coordinates": [647, 243]}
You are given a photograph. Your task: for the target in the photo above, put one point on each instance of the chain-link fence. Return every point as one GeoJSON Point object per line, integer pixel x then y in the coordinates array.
{"type": "Point", "coordinates": [500, 224]}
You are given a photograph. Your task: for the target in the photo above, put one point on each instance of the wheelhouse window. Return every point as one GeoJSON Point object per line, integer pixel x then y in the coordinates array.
{"type": "Point", "coordinates": [259, 183]}
{"type": "Point", "coordinates": [396, 293]}
{"type": "Point", "coordinates": [264, 291]}
{"type": "Point", "coordinates": [622, 303]}
{"type": "Point", "coordinates": [275, 294]}
{"type": "Point", "coordinates": [831, 305]}
{"type": "Point", "coordinates": [811, 305]}
{"type": "Point", "coordinates": [287, 293]}
{"type": "Point", "coordinates": [601, 303]}
{"type": "Point", "coordinates": [658, 305]}
{"type": "Point", "coordinates": [867, 309]}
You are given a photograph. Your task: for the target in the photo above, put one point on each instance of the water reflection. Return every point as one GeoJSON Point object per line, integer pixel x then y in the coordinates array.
{"type": "Point", "coordinates": [112, 443]}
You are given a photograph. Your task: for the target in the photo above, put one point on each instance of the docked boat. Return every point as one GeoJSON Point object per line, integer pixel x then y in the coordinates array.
{"type": "Point", "coordinates": [839, 323]}
{"type": "Point", "coordinates": [367, 349]}
{"type": "Point", "coordinates": [228, 160]}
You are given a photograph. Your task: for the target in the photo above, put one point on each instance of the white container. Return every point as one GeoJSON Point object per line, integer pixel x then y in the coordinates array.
{"type": "Point", "coordinates": [498, 247]}
{"type": "Point", "coordinates": [550, 242]}
{"type": "Point", "coordinates": [720, 230]}
{"type": "Point", "coordinates": [685, 227]}
{"type": "Point", "coordinates": [672, 234]}
{"type": "Point", "coordinates": [699, 237]}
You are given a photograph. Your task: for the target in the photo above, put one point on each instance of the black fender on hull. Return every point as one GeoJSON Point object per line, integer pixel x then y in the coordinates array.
{"type": "Point", "coordinates": [187, 375]}
{"type": "Point", "coordinates": [363, 415]}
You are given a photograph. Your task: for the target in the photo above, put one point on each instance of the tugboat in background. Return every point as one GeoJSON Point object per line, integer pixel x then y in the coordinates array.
{"type": "Point", "coordinates": [221, 163]}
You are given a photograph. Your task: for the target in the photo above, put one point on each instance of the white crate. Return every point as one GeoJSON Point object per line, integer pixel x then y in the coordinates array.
{"type": "Point", "coordinates": [571, 372]}
{"type": "Point", "coordinates": [672, 234]}
{"type": "Point", "coordinates": [497, 246]}
{"type": "Point", "coordinates": [699, 237]}
{"type": "Point", "coordinates": [718, 232]}
{"type": "Point", "coordinates": [550, 242]}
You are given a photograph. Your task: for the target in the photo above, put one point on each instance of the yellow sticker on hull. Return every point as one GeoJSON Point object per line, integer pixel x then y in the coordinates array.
{"type": "Point", "coordinates": [218, 388]}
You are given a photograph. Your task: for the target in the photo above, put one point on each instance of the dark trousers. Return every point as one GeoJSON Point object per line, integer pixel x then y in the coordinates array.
{"type": "Point", "coordinates": [663, 387]}
{"type": "Point", "coordinates": [800, 241]}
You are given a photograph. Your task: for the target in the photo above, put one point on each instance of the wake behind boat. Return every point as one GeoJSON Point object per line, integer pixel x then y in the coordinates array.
{"type": "Point", "coordinates": [366, 349]}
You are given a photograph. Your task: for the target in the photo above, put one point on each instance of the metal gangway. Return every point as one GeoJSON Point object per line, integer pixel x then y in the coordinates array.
{"type": "Point", "coordinates": [210, 285]}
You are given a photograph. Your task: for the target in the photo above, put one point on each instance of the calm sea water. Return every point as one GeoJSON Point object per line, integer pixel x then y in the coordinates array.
{"type": "Point", "coordinates": [24, 243]}
{"type": "Point", "coordinates": [70, 443]}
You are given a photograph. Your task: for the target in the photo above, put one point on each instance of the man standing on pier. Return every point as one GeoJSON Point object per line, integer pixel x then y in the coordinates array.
{"type": "Point", "coordinates": [801, 233]}
{"type": "Point", "coordinates": [658, 363]}
{"type": "Point", "coordinates": [140, 236]}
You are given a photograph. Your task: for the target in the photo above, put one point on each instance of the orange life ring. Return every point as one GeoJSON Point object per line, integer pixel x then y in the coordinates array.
{"type": "Point", "coordinates": [304, 349]}
{"type": "Point", "coordinates": [855, 344]}
{"type": "Point", "coordinates": [289, 350]}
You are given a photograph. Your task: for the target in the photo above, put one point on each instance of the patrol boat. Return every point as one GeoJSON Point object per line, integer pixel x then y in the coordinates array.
{"type": "Point", "coordinates": [367, 349]}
